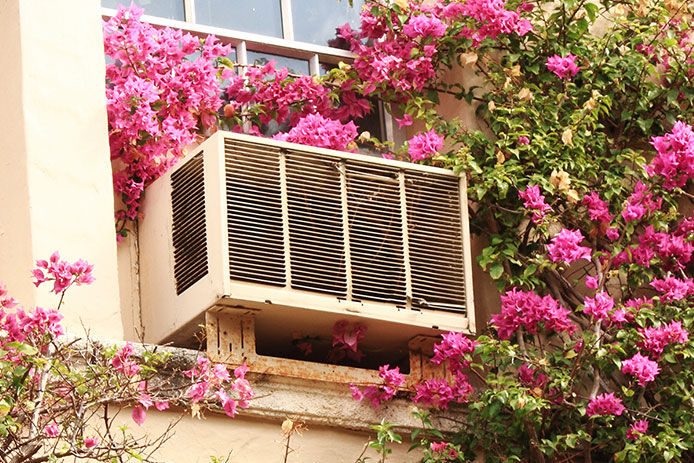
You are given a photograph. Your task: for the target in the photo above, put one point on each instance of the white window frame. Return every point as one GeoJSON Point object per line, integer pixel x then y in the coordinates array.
{"type": "Point", "coordinates": [285, 46]}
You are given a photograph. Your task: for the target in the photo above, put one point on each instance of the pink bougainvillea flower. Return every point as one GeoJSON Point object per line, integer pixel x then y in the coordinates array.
{"type": "Point", "coordinates": [674, 161]}
{"type": "Point", "coordinates": [597, 208]}
{"type": "Point", "coordinates": [637, 429]}
{"type": "Point", "coordinates": [605, 404]}
{"type": "Point", "coordinates": [640, 203]}
{"type": "Point", "coordinates": [673, 289]}
{"type": "Point", "coordinates": [655, 339]}
{"type": "Point", "coordinates": [139, 415]}
{"type": "Point", "coordinates": [424, 26]}
{"type": "Point", "coordinates": [533, 200]}
{"type": "Point", "coordinates": [392, 381]}
{"type": "Point", "coordinates": [161, 405]}
{"type": "Point", "coordinates": [438, 447]}
{"type": "Point", "coordinates": [62, 273]}
{"type": "Point", "coordinates": [406, 121]}
{"type": "Point", "coordinates": [441, 392]}
{"type": "Point", "coordinates": [453, 348]}
{"type": "Point", "coordinates": [528, 310]}
{"type": "Point", "coordinates": [424, 145]}
{"type": "Point", "coordinates": [52, 430]}
{"type": "Point", "coordinates": [90, 442]}
{"type": "Point", "coordinates": [6, 301]}
{"type": "Point", "coordinates": [346, 339]}
{"type": "Point", "coordinates": [564, 67]}
{"type": "Point", "coordinates": [565, 247]}
{"type": "Point", "coordinates": [642, 367]}
{"type": "Point", "coordinates": [523, 140]}
{"type": "Point", "coordinates": [320, 131]}
{"type": "Point", "coordinates": [598, 306]}
{"type": "Point", "coordinates": [531, 377]}
{"type": "Point", "coordinates": [592, 281]}
{"type": "Point", "coordinates": [122, 362]}
{"type": "Point", "coordinates": [612, 233]}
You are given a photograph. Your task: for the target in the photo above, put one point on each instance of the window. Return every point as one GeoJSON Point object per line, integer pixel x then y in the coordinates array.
{"type": "Point", "coordinates": [310, 21]}
{"type": "Point", "coordinates": [296, 34]}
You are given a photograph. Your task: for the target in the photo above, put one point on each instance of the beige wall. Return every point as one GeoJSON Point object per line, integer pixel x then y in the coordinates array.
{"type": "Point", "coordinates": [55, 184]}
{"type": "Point", "coordinates": [256, 441]}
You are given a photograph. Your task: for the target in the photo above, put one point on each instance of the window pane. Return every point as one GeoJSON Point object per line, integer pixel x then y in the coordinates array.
{"type": "Point", "coordinates": [172, 9]}
{"type": "Point", "coordinates": [258, 16]}
{"type": "Point", "coordinates": [315, 21]}
{"type": "Point", "coordinates": [293, 65]}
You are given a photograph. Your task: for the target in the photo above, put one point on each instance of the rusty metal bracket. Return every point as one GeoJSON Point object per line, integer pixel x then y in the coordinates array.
{"type": "Point", "coordinates": [231, 340]}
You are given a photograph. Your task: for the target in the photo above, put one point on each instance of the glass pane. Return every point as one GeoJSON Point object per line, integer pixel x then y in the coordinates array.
{"type": "Point", "coordinates": [257, 16]}
{"type": "Point", "coordinates": [172, 9]}
{"type": "Point", "coordinates": [293, 65]}
{"type": "Point", "coordinates": [316, 21]}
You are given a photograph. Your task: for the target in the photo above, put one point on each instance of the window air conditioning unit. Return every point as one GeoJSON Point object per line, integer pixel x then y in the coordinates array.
{"type": "Point", "coordinates": [306, 235]}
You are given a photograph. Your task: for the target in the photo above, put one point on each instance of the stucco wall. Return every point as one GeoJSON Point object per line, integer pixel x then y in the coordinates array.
{"type": "Point", "coordinates": [56, 187]}
{"type": "Point", "coordinates": [256, 441]}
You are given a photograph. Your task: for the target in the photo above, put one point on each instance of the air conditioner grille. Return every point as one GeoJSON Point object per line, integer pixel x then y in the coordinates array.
{"type": "Point", "coordinates": [189, 236]}
{"type": "Point", "coordinates": [346, 227]}
{"type": "Point", "coordinates": [435, 241]}
{"type": "Point", "coordinates": [315, 224]}
{"type": "Point", "coordinates": [375, 233]}
{"type": "Point", "coordinates": [254, 214]}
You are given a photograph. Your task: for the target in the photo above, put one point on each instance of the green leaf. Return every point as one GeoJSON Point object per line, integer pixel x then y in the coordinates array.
{"type": "Point", "coordinates": [591, 11]}
{"type": "Point", "coordinates": [496, 270]}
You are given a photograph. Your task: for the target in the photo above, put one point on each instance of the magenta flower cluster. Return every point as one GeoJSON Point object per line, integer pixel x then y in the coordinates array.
{"type": "Point", "coordinates": [565, 247]}
{"type": "Point", "coordinates": [674, 161]}
{"type": "Point", "coordinates": [401, 54]}
{"type": "Point", "coordinates": [319, 131]}
{"type": "Point", "coordinates": [157, 99]}
{"type": "Point", "coordinates": [605, 404]}
{"type": "Point", "coordinates": [643, 368]}
{"type": "Point", "coordinates": [488, 19]}
{"type": "Point", "coordinates": [392, 380]}
{"type": "Point", "coordinates": [654, 340]}
{"type": "Point", "coordinates": [525, 309]}
{"type": "Point", "coordinates": [455, 349]}
{"type": "Point", "coordinates": [533, 200]}
{"type": "Point", "coordinates": [207, 378]}
{"type": "Point", "coordinates": [598, 307]}
{"type": "Point", "coordinates": [422, 25]}
{"type": "Point", "coordinates": [62, 273]}
{"type": "Point", "coordinates": [346, 339]}
{"type": "Point", "coordinates": [563, 66]}
{"type": "Point", "coordinates": [598, 208]}
{"type": "Point", "coordinates": [640, 203]}
{"type": "Point", "coordinates": [424, 145]}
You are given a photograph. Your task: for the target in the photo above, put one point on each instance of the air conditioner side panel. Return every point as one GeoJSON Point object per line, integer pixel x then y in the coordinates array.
{"type": "Point", "coordinates": [163, 311]}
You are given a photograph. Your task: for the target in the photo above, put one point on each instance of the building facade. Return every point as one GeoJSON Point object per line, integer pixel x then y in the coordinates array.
{"type": "Point", "coordinates": [56, 194]}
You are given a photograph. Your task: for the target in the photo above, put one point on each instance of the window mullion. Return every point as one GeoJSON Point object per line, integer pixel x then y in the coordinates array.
{"type": "Point", "coordinates": [242, 53]}
{"type": "Point", "coordinates": [314, 65]}
{"type": "Point", "coordinates": [189, 10]}
{"type": "Point", "coordinates": [287, 23]}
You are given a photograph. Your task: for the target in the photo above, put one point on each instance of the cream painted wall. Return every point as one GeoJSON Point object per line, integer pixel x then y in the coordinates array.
{"type": "Point", "coordinates": [257, 441]}
{"type": "Point", "coordinates": [15, 228]}
{"type": "Point", "coordinates": [56, 188]}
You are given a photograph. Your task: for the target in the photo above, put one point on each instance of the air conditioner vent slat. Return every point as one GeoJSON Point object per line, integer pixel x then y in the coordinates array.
{"type": "Point", "coordinates": [315, 218]}
{"type": "Point", "coordinates": [436, 253]}
{"type": "Point", "coordinates": [254, 216]}
{"type": "Point", "coordinates": [375, 234]}
{"type": "Point", "coordinates": [189, 235]}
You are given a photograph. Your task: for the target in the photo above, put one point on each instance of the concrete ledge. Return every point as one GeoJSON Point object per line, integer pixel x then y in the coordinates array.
{"type": "Point", "coordinates": [316, 403]}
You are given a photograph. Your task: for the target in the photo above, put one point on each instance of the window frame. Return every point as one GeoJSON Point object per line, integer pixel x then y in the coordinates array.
{"type": "Point", "coordinates": [243, 41]}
